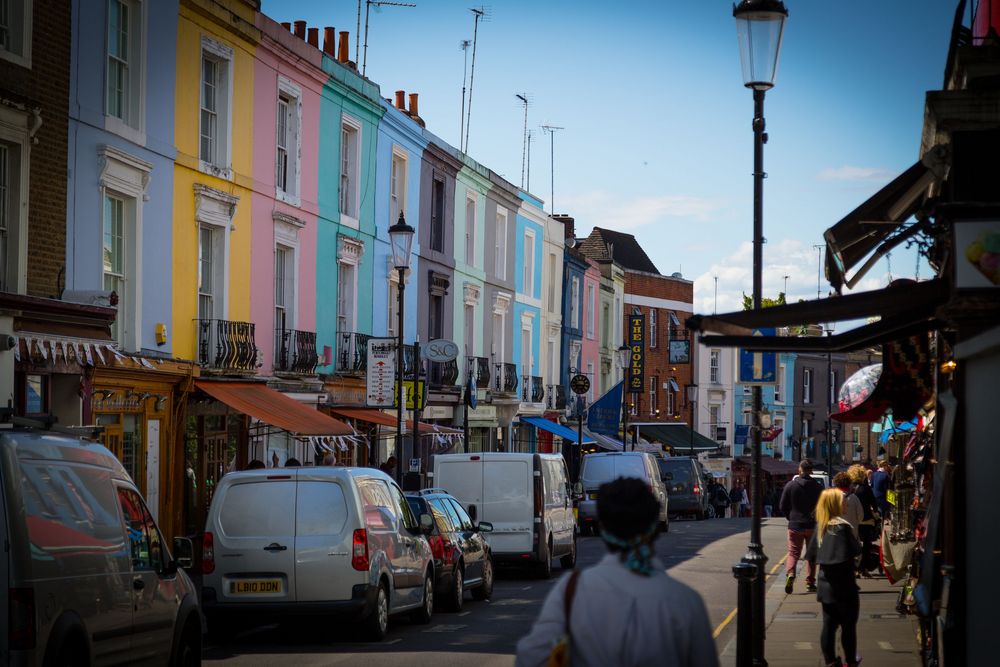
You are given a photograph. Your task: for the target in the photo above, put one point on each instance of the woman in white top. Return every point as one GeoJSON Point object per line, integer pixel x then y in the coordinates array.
{"type": "Point", "coordinates": [625, 610]}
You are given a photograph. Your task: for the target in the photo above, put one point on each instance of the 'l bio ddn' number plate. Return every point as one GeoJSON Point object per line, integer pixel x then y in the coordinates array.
{"type": "Point", "coordinates": [254, 586]}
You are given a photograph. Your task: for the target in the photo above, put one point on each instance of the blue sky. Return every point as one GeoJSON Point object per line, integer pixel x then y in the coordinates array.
{"type": "Point", "coordinates": [657, 139]}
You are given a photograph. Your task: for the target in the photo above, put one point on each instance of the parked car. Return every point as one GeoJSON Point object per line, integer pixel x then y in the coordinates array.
{"type": "Point", "coordinates": [821, 477]}
{"type": "Point", "coordinates": [88, 576]}
{"type": "Point", "coordinates": [462, 558]}
{"type": "Point", "coordinates": [684, 478]}
{"type": "Point", "coordinates": [526, 497]}
{"type": "Point", "coordinates": [602, 467]}
{"type": "Point", "coordinates": [315, 541]}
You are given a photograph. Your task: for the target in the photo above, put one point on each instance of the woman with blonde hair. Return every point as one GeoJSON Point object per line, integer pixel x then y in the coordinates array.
{"type": "Point", "coordinates": [833, 546]}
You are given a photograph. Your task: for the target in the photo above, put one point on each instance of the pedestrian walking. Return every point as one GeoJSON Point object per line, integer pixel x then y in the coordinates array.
{"type": "Point", "coordinates": [744, 502]}
{"type": "Point", "coordinates": [853, 512]}
{"type": "Point", "coordinates": [880, 487]}
{"type": "Point", "coordinates": [720, 499]}
{"type": "Point", "coordinates": [834, 547]}
{"type": "Point", "coordinates": [625, 610]}
{"type": "Point", "coordinates": [735, 499]}
{"type": "Point", "coordinates": [768, 503]}
{"type": "Point", "coordinates": [798, 503]}
{"type": "Point", "coordinates": [389, 467]}
{"type": "Point", "coordinates": [871, 522]}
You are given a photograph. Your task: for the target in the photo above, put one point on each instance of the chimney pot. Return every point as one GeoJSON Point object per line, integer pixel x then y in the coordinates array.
{"type": "Point", "coordinates": [344, 47]}
{"type": "Point", "coordinates": [413, 105]}
{"type": "Point", "coordinates": [313, 37]}
{"type": "Point", "coordinates": [401, 100]}
{"type": "Point", "coordinates": [300, 29]}
{"type": "Point", "coordinates": [330, 41]}
{"type": "Point", "coordinates": [286, 25]}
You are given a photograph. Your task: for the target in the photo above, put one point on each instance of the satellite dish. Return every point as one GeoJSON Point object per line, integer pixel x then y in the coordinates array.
{"type": "Point", "coordinates": [571, 242]}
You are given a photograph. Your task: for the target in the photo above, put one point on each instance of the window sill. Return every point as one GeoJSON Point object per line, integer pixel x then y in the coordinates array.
{"type": "Point", "coordinates": [224, 173]}
{"type": "Point", "coordinates": [349, 221]}
{"type": "Point", "coordinates": [124, 130]}
{"type": "Point", "coordinates": [282, 196]}
{"type": "Point", "coordinates": [17, 59]}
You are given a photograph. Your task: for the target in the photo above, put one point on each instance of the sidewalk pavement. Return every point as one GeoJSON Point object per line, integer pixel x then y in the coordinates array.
{"type": "Point", "coordinates": [885, 637]}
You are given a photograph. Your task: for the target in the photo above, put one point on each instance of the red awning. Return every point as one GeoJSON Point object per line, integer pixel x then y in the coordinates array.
{"type": "Point", "coordinates": [274, 408]}
{"type": "Point", "coordinates": [376, 416]}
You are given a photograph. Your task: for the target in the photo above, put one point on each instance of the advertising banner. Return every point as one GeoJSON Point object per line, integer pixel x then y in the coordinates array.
{"type": "Point", "coordinates": [637, 358]}
{"type": "Point", "coordinates": [604, 416]}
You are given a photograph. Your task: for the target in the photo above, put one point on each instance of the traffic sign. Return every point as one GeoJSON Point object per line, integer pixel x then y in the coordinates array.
{"type": "Point", "coordinates": [381, 374]}
{"type": "Point", "coordinates": [758, 367]}
{"type": "Point", "coordinates": [580, 384]}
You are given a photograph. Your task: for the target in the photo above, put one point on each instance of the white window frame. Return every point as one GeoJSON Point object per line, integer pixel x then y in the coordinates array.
{"type": "Point", "coordinates": [528, 264]}
{"type": "Point", "coordinates": [470, 229]}
{"type": "Point", "coordinates": [286, 289]}
{"type": "Point", "coordinates": [20, 26]}
{"type": "Point", "coordinates": [222, 153]}
{"type": "Point", "coordinates": [501, 306]}
{"type": "Point", "coordinates": [214, 210]}
{"type": "Point", "coordinates": [671, 399]}
{"type": "Point", "coordinates": [14, 132]}
{"type": "Point", "coordinates": [713, 419]}
{"type": "Point", "coordinates": [527, 358]}
{"type": "Point", "coordinates": [397, 183]}
{"type": "Point", "coordinates": [778, 381]}
{"type": "Point", "coordinates": [807, 393]}
{"type": "Point", "coordinates": [350, 197]}
{"type": "Point", "coordinates": [590, 310]}
{"type": "Point", "coordinates": [126, 178]}
{"type": "Point", "coordinates": [574, 304]}
{"type": "Point", "coordinates": [551, 292]}
{"type": "Point", "coordinates": [470, 300]}
{"type": "Point", "coordinates": [291, 94]}
{"type": "Point", "coordinates": [653, 391]}
{"type": "Point", "coordinates": [500, 242]}
{"type": "Point", "coordinates": [132, 125]}
{"type": "Point", "coordinates": [590, 374]}
{"type": "Point", "coordinates": [350, 252]}
{"type": "Point", "coordinates": [832, 379]}
{"type": "Point", "coordinates": [714, 366]}
{"type": "Point", "coordinates": [286, 236]}
{"type": "Point", "coordinates": [652, 328]}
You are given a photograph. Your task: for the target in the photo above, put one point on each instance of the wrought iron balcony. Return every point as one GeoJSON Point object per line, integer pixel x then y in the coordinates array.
{"type": "Point", "coordinates": [352, 353]}
{"type": "Point", "coordinates": [444, 374]}
{"type": "Point", "coordinates": [480, 366]}
{"type": "Point", "coordinates": [505, 378]}
{"type": "Point", "coordinates": [295, 352]}
{"type": "Point", "coordinates": [556, 397]}
{"type": "Point", "coordinates": [227, 346]}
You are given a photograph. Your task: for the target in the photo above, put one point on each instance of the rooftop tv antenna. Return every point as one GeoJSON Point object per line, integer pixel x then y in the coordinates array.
{"type": "Point", "coordinates": [378, 5]}
{"type": "Point", "coordinates": [464, 45]}
{"type": "Point", "coordinates": [527, 187]}
{"type": "Point", "coordinates": [481, 13]}
{"type": "Point", "coordinates": [525, 100]}
{"type": "Point", "coordinates": [551, 130]}
{"type": "Point", "coordinates": [819, 254]}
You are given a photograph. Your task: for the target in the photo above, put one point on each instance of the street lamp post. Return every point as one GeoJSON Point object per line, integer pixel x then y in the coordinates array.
{"type": "Point", "coordinates": [759, 28]}
{"type": "Point", "coordinates": [401, 240]}
{"type": "Point", "coordinates": [624, 355]}
{"type": "Point", "coordinates": [692, 398]}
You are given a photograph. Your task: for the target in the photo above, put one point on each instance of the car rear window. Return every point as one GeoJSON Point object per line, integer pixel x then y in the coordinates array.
{"type": "Point", "coordinates": [681, 470]}
{"type": "Point", "coordinates": [258, 509]}
{"type": "Point", "coordinates": [603, 469]}
{"type": "Point", "coordinates": [320, 509]}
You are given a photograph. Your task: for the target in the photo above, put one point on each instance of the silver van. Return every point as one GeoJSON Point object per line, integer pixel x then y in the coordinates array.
{"type": "Point", "coordinates": [87, 574]}
{"type": "Point", "coordinates": [602, 467]}
{"type": "Point", "coordinates": [317, 541]}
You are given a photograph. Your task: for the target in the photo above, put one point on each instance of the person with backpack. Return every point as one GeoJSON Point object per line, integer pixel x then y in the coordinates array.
{"type": "Point", "coordinates": [871, 522]}
{"type": "Point", "coordinates": [736, 499]}
{"type": "Point", "coordinates": [798, 503]}
{"type": "Point", "coordinates": [625, 610]}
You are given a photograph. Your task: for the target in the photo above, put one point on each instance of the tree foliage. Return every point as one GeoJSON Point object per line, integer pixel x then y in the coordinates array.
{"type": "Point", "coordinates": [765, 302]}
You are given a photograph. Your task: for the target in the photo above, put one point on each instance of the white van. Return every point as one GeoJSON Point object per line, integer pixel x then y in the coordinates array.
{"type": "Point", "coordinates": [86, 574]}
{"type": "Point", "coordinates": [315, 541]}
{"type": "Point", "coordinates": [527, 498]}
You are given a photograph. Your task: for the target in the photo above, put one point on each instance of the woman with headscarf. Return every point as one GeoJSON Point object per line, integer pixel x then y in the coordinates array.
{"type": "Point", "coordinates": [625, 610]}
{"type": "Point", "coordinates": [834, 546]}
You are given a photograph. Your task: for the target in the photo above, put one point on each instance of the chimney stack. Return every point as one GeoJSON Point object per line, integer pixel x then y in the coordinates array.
{"type": "Point", "coordinates": [401, 100]}
{"type": "Point", "coordinates": [286, 25]}
{"type": "Point", "coordinates": [300, 29]}
{"type": "Point", "coordinates": [344, 47]}
{"type": "Point", "coordinates": [413, 105]}
{"type": "Point", "coordinates": [330, 41]}
{"type": "Point", "coordinates": [569, 224]}
{"type": "Point", "coordinates": [313, 38]}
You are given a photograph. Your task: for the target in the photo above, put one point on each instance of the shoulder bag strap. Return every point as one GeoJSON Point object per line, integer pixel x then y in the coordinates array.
{"type": "Point", "coordinates": [568, 596]}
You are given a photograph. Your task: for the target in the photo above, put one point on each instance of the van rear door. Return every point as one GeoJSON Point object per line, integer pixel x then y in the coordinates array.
{"type": "Point", "coordinates": [255, 539]}
{"type": "Point", "coordinates": [323, 541]}
{"type": "Point", "coordinates": [508, 503]}
{"type": "Point", "coordinates": [462, 477]}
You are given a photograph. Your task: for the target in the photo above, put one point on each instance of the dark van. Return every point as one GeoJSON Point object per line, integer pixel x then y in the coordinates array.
{"type": "Point", "coordinates": [682, 475]}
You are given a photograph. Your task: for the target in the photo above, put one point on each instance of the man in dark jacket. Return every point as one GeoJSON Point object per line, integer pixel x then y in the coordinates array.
{"type": "Point", "coordinates": [798, 503]}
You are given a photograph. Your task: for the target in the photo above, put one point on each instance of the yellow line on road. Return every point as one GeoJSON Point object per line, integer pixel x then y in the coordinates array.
{"type": "Point", "coordinates": [729, 617]}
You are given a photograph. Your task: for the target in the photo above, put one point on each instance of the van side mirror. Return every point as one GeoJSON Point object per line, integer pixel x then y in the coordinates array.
{"type": "Point", "coordinates": [472, 513]}
{"type": "Point", "coordinates": [183, 552]}
{"type": "Point", "coordinates": [426, 524]}
{"type": "Point", "coordinates": [485, 527]}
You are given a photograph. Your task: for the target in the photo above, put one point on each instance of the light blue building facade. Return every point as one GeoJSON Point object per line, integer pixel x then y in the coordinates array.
{"type": "Point", "coordinates": [778, 399]}
{"type": "Point", "coordinates": [529, 239]}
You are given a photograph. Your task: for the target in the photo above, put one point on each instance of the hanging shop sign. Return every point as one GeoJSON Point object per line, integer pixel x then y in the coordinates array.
{"type": "Point", "coordinates": [637, 356]}
{"type": "Point", "coordinates": [381, 374]}
{"type": "Point", "coordinates": [580, 384]}
{"type": "Point", "coordinates": [758, 367]}
{"type": "Point", "coordinates": [439, 351]}
{"type": "Point", "coordinates": [680, 351]}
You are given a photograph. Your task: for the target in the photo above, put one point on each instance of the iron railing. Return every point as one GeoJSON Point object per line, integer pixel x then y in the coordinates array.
{"type": "Point", "coordinates": [481, 367]}
{"type": "Point", "coordinates": [443, 374]}
{"type": "Point", "coordinates": [556, 395]}
{"type": "Point", "coordinates": [537, 389]}
{"type": "Point", "coordinates": [352, 353]}
{"type": "Point", "coordinates": [224, 345]}
{"type": "Point", "coordinates": [505, 377]}
{"type": "Point", "coordinates": [295, 352]}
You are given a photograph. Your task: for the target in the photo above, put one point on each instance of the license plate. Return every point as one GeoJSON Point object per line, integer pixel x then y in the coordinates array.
{"type": "Point", "coordinates": [593, 496]}
{"type": "Point", "coordinates": [255, 586]}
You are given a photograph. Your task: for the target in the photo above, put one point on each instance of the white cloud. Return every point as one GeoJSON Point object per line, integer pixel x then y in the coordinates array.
{"type": "Point", "coordinates": [610, 211]}
{"type": "Point", "coordinates": [852, 173]}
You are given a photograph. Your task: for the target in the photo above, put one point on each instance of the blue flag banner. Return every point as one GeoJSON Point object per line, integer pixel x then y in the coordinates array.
{"type": "Point", "coordinates": [604, 416]}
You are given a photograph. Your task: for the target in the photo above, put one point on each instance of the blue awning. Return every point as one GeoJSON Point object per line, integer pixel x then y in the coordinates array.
{"type": "Point", "coordinates": [554, 428]}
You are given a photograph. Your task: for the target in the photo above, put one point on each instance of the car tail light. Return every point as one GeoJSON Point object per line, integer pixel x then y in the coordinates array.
{"type": "Point", "coordinates": [437, 546]}
{"type": "Point", "coordinates": [21, 618]}
{"type": "Point", "coordinates": [697, 489]}
{"type": "Point", "coordinates": [207, 554]}
{"type": "Point", "coordinates": [359, 556]}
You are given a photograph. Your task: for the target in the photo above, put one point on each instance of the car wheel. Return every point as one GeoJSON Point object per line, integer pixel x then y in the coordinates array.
{"type": "Point", "coordinates": [423, 614]}
{"type": "Point", "coordinates": [375, 627]}
{"type": "Point", "coordinates": [568, 561]}
{"type": "Point", "coordinates": [457, 591]}
{"type": "Point", "coordinates": [710, 512]}
{"type": "Point", "coordinates": [485, 591]}
{"type": "Point", "coordinates": [71, 653]}
{"type": "Point", "coordinates": [545, 566]}
{"type": "Point", "coordinates": [189, 650]}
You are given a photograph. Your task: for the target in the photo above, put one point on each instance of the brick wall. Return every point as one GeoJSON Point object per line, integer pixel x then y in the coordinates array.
{"type": "Point", "coordinates": [45, 85]}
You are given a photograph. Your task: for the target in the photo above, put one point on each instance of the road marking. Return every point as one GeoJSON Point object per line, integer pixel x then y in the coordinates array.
{"type": "Point", "coordinates": [445, 628]}
{"type": "Point", "coordinates": [526, 588]}
{"type": "Point", "coordinates": [464, 613]}
{"type": "Point", "coordinates": [727, 619]}
{"type": "Point", "coordinates": [885, 646]}
{"type": "Point", "coordinates": [804, 646]}
{"type": "Point", "coordinates": [392, 641]}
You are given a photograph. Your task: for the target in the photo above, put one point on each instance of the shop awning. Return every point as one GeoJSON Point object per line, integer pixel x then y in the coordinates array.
{"type": "Point", "coordinates": [678, 436]}
{"type": "Point", "coordinates": [555, 429]}
{"type": "Point", "coordinates": [772, 466]}
{"type": "Point", "coordinates": [272, 407]}
{"type": "Point", "coordinates": [376, 416]}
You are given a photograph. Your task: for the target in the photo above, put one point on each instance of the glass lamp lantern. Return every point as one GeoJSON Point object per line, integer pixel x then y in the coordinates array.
{"type": "Point", "coordinates": [401, 239]}
{"type": "Point", "coordinates": [759, 28]}
{"type": "Point", "coordinates": [623, 354]}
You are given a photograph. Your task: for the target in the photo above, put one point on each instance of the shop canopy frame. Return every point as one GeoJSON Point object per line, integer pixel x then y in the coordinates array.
{"type": "Point", "coordinates": [559, 430]}
{"type": "Point", "coordinates": [678, 435]}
